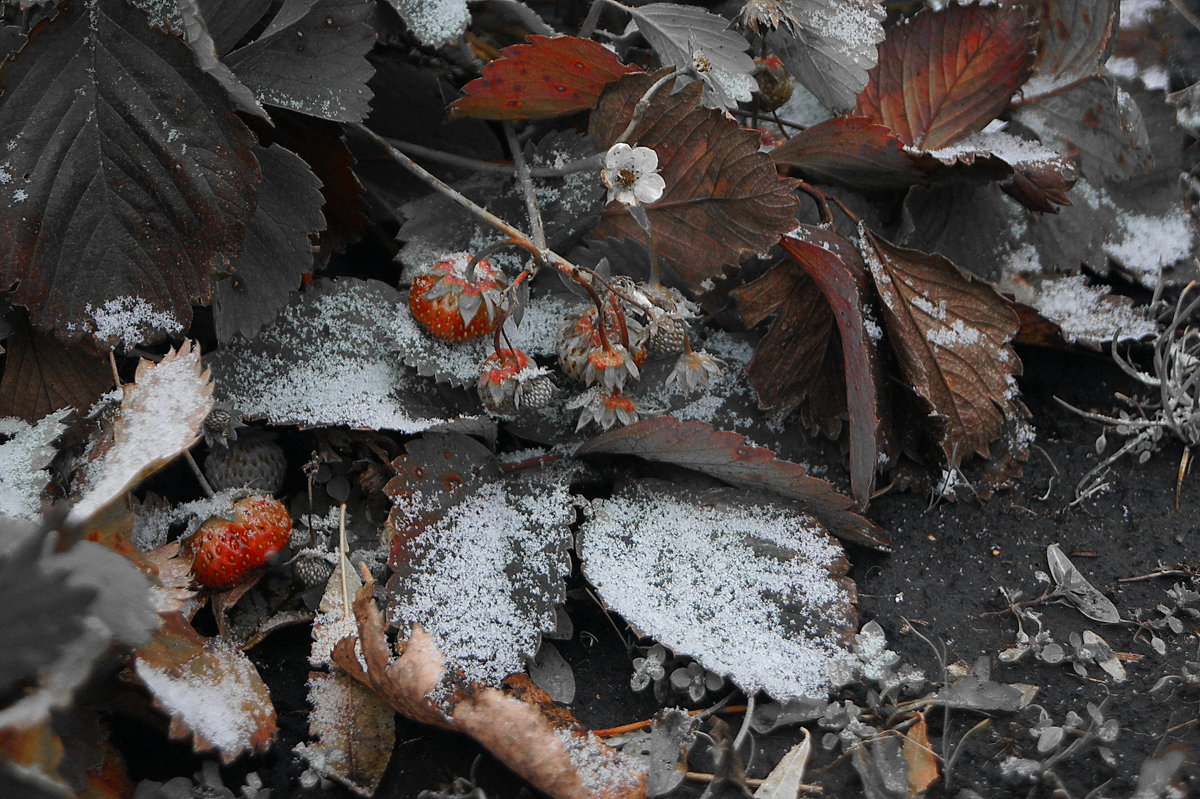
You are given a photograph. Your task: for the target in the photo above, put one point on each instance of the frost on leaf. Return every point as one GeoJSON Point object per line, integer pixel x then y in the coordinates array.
{"type": "Point", "coordinates": [479, 559]}
{"type": "Point", "coordinates": [146, 195]}
{"type": "Point", "coordinates": [27, 451]}
{"type": "Point", "coordinates": [433, 22]}
{"type": "Point", "coordinates": [332, 358]}
{"type": "Point", "coordinates": [1084, 313]}
{"type": "Point", "coordinates": [160, 416]}
{"type": "Point", "coordinates": [723, 201]}
{"type": "Point", "coordinates": [353, 728]}
{"type": "Point", "coordinates": [697, 41]}
{"type": "Point", "coordinates": [951, 333]}
{"type": "Point", "coordinates": [830, 46]}
{"type": "Point", "coordinates": [749, 585]}
{"type": "Point", "coordinates": [277, 252]}
{"type": "Point", "coordinates": [211, 691]}
{"type": "Point", "coordinates": [312, 58]}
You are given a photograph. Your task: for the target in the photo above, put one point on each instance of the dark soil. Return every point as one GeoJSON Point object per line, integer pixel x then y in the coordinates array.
{"type": "Point", "coordinates": [942, 578]}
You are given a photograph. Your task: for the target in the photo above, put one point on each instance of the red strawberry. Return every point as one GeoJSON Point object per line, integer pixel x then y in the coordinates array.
{"type": "Point", "coordinates": [225, 552]}
{"type": "Point", "coordinates": [453, 306]}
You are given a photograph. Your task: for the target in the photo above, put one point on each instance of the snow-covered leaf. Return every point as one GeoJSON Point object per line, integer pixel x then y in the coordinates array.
{"type": "Point", "coordinates": [749, 585]}
{"type": "Point", "coordinates": [730, 457]}
{"type": "Point", "coordinates": [210, 690]}
{"type": "Point", "coordinates": [312, 59]}
{"type": "Point", "coordinates": [333, 357]}
{"type": "Point", "coordinates": [479, 560]}
{"type": "Point", "coordinates": [1083, 313]}
{"type": "Point", "coordinates": [1073, 586]}
{"type": "Point", "coordinates": [160, 416]}
{"type": "Point", "coordinates": [23, 457]}
{"type": "Point", "coordinates": [829, 46]}
{"type": "Point", "coordinates": [146, 194]}
{"type": "Point", "coordinates": [693, 39]}
{"type": "Point", "coordinates": [433, 22]}
{"type": "Point", "coordinates": [277, 251]}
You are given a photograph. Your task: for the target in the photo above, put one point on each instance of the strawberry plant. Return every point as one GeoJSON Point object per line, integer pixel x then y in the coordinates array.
{"type": "Point", "coordinates": [483, 316]}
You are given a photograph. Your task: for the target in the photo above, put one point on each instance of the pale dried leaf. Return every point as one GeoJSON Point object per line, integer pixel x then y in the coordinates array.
{"type": "Point", "coordinates": [355, 732]}
{"type": "Point", "coordinates": [1073, 586]}
{"type": "Point", "coordinates": [160, 417]}
{"type": "Point", "coordinates": [786, 779]}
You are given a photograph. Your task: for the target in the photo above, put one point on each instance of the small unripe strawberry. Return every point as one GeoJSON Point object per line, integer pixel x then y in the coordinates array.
{"type": "Point", "coordinates": [225, 552]}
{"type": "Point", "coordinates": [510, 380]}
{"type": "Point", "coordinates": [775, 85]}
{"type": "Point", "coordinates": [453, 305]}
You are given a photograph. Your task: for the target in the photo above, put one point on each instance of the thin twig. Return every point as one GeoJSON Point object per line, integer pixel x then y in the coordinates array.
{"type": "Point", "coordinates": [592, 162]}
{"type": "Point", "coordinates": [641, 725]}
{"type": "Point", "coordinates": [537, 228]}
{"type": "Point", "coordinates": [745, 728]}
{"type": "Point", "coordinates": [639, 110]}
{"type": "Point", "coordinates": [208, 490]}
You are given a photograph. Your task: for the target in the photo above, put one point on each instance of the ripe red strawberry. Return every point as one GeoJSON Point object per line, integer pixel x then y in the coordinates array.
{"type": "Point", "coordinates": [225, 552]}
{"type": "Point", "coordinates": [452, 306]}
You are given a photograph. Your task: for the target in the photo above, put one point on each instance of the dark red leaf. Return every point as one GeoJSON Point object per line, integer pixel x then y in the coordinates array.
{"type": "Point", "coordinates": [951, 334]}
{"type": "Point", "coordinates": [831, 261]}
{"type": "Point", "coordinates": [43, 374]}
{"type": "Point", "coordinates": [946, 74]}
{"type": "Point", "coordinates": [723, 201]}
{"type": "Point", "coordinates": [128, 175]}
{"type": "Point", "coordinates": [548, 77]}
{"type": "Point", "coordinates": [851, 151]}
{"type": "Point", "coordinates": [729, 457]}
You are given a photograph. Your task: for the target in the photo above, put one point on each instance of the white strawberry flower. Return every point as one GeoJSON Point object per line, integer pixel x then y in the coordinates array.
{"type": "Point", "coordinates": [631, 175]}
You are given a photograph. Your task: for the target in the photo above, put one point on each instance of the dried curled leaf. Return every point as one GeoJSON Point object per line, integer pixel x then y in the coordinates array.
{"type": "Point", "coordinates": [160, 416]}
{"type": "Point", "coordinates": [543, 744]}
{"type": "Point", "coordinates": [750, 586]}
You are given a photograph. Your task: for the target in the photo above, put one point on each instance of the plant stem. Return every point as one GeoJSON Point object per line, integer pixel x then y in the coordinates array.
{"type": "Point", "coordinates": [592, 162]}
{"type": "Point", "coordinates": [537, 227]}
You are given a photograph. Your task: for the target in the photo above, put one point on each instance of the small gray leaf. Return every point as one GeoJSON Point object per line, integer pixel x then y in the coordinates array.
{"type": "Point", "coordinates": [1073, 587]}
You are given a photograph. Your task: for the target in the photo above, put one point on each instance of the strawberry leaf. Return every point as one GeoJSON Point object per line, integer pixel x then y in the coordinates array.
{"type": "Point", "coordinates": [42, 374]}
{"type": "Point", "coordinates": [548, 77]}
{"type": "Point", "coordinates": [27, 451]}
{"type": "Point", "coordinates": [747, 584]}
{"type": "Point", "coordinates": [946, 74]}
{"type": "Point", "coordinates": [951, 334]}
{"type": "Point", "coordinates": [1097, 123]}
{"type": "Point", "coordinates": [229, 21]}
{"type": "Point", "coordinates": [852, 151]}
{"type": "Point", "coordinates": [311, 58]}
{"type": "Point", "coordinates": [694, 40]}
{"type": "Point", "coordinates": [723, 199]}
{"type": "Point", "coordinates": [146, 192]}
{"type": "Point", "coordinates": [729, 457]}
{"type": "Point", "coordinates": [277, 252]}
{"type": "Point", "coordinates": [833, 264]}
{"type": "Point", "coordinates": [332, 358]}
{"type": "Point", "coordinates": [479, 560]}
{"type": "Point", "coordinates": [829, 46]}
{"type": "Point", "coordinates": [1077, 37]}
{"type": "Point", "coordinates": [201, 41]}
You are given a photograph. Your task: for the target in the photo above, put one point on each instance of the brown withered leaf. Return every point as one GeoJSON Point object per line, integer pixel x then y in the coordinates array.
{"type": "Point", "coordinates": [946, 74]}
{"type": "Point", "coordinates": [921, 759]}
{"type": "Point", "coordinates": [211, 691]}
{"type": "Point", "coordinates": [729, 457]}
{"type": "Point", "coordinates": [523, 729]}
{"type": "Point", "coordinates": [837, 269]}
{"type": "Point", "coordinates": [798, 361]}
{"type": "Point", "coordinates": [951, 333]}
{"type": "Point", "coordinates": [723, 200]}
{"type": "Point", "coordinates": [43, 374]}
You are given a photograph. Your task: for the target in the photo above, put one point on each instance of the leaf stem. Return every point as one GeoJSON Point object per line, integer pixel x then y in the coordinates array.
{"type": "Point", "coordinates": [643, 103]}
{"type": "Point", "coordinates": [537, 227]}
{"type": "Point", "coordinates": [591, 162]}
